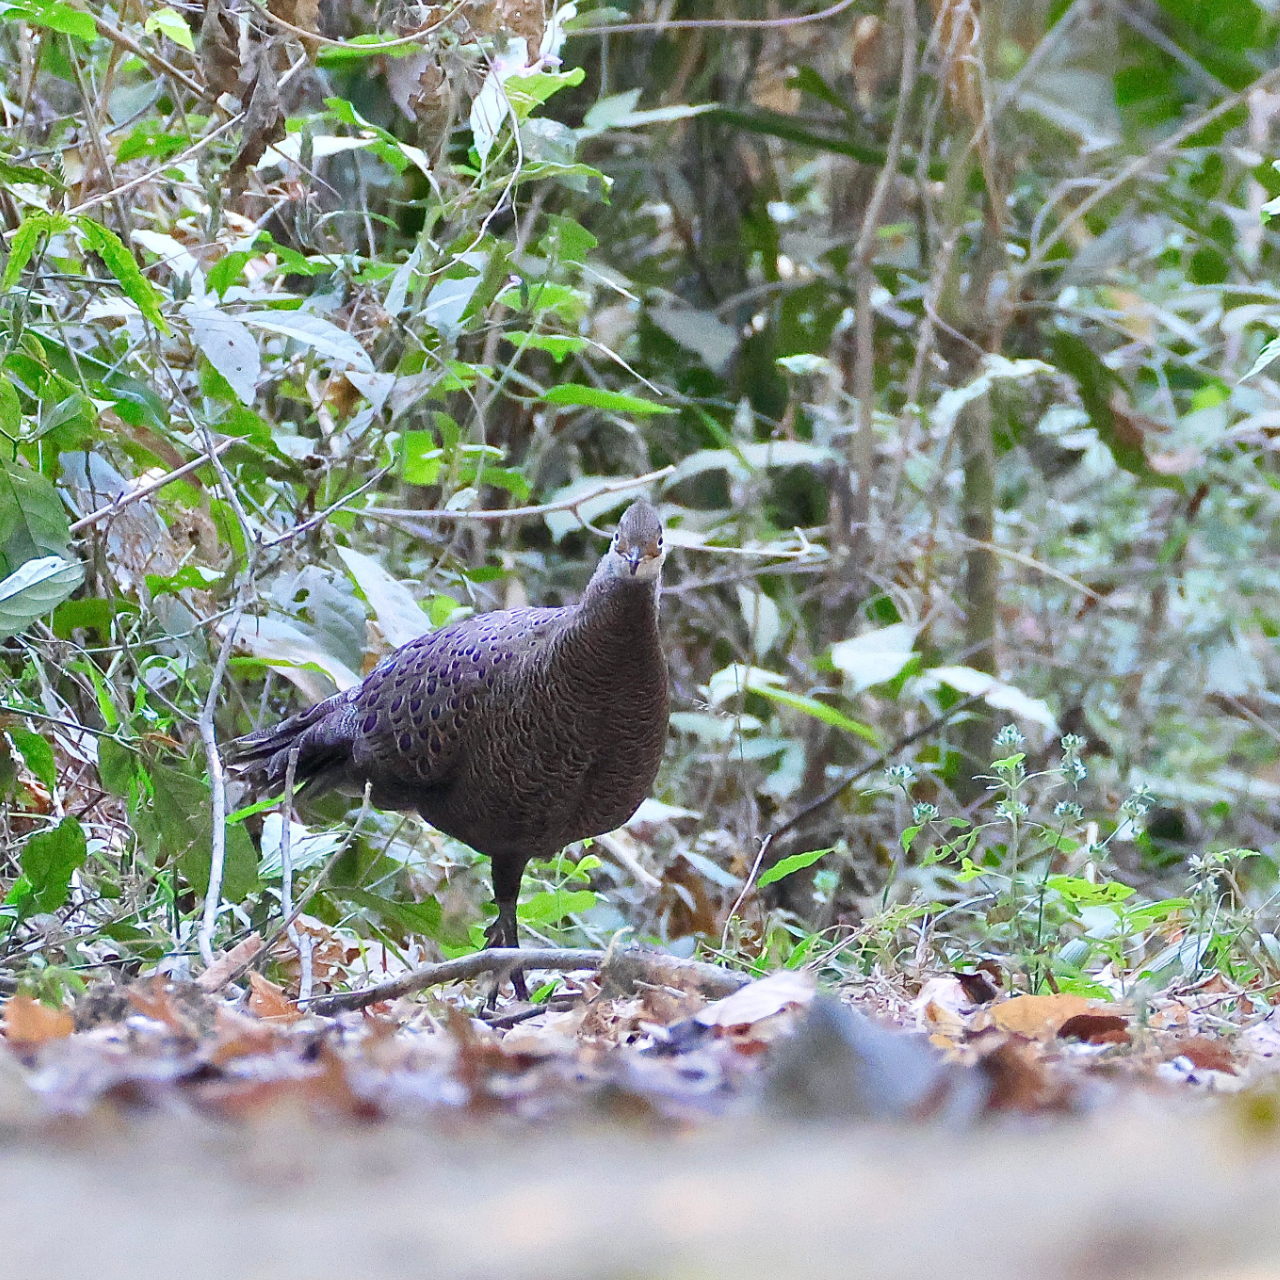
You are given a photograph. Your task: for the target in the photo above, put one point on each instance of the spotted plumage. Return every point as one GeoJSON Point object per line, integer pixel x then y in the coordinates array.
{"type": "Point", "coordinates": [517, 731]}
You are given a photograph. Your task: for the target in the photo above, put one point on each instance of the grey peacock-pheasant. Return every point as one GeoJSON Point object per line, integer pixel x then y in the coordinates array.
{"type": "Point", "coordinates": [516, 732]}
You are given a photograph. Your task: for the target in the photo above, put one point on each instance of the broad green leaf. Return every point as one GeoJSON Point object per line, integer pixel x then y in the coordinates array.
{"type": "Point", "coordinates": [121, 263]}
{"type": "Point", "coordinates": [117, 766]}
{"type": "Point", "coordinates": [420, 458]}
{"type": "Point", "coordinates": [1085, 893]}
{"type": "Point", "coordinates": [48, 858]}
{"type": "Point", "coordinates": [597, 398]}
{"type": "Point", "coordinates": [38, 754]}
{"type": "Point", "coordinates": [876, 657]}
{"type": "Point", "coordinates": [10, 410]}
{"type": "Point", "coordinates": [556, 345]}
{"type": "Point", "coordinates": [173, 25]}
{"type": "Point", "coordinates": [34, 589]}
{"type": "Point", "coordinates": [312, 331]}
{"type": "Point", "coordinates": [33, 229]}
{"type": "Point", "coordinates": [54, 15]}
{"type": "Point", "coordinates": [180, 832]}
{"type": "Point", "coordinates": [553, 906]}
{"type": "Point", "coordinates": [32, 517]}
{"type": "Point", "coordinates": [399, 617]}
{"type": "Point", "coordinates": [422, 918]}
{"type": "Point", "coordinates": [18, 174]}
{"type": "Point", "coordinates": [527, 93]}
{"type": "Point", "coordinates": [788, 866]}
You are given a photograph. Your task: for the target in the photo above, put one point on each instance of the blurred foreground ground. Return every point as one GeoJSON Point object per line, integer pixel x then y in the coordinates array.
{"type": "Point", "coordinates": [1169, 1189]}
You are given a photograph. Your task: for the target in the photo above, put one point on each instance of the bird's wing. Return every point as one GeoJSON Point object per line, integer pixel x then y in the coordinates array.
{"type": "Point", "coordinates": [412, 712]}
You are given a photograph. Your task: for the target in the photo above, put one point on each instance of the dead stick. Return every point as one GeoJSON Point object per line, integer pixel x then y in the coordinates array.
{"type": "Point", "coordinates": [628, 967]}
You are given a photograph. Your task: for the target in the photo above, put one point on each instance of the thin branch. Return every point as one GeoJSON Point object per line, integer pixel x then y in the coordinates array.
{"type": "Point", "coordinates": [321, 516]}
{"type": "Point", "coordinates": [717, 24]}
{"type": "Point", "coordinates": [1036, 259]}
{"type": "Point", "coordinates": [627, 967]}
{"type": "Point", "coordinates": [286, 874]}
{"type": "Point", "coordinates": [136, 495]}
{"type": "Point", "coordinates": [153, 60]}
{"type": "Point", "coordinates": [1031, 563]}
{"type": "Point", "coordinates": [746, 889]}
{"type": "Point", "coordinates": [218, 797]}
{"type": "Point", "coordinates": [871, 766]}
{"type": "Point", "coordinates": [564, 504]}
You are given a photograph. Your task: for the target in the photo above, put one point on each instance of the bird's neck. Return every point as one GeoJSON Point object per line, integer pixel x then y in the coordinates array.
{"type": "Point", "coordinates": [619, 613]}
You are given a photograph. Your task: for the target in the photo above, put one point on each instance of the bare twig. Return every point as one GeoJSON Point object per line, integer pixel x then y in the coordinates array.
{"type": "Point", "coordinates": [286, 874]}
{"type": "Point", "coordinates": [1036, 259]}
{"type": "Point", "coordinates": [871, 766]}
{"type": "Point", "coordinates": [314, 887]}
{"type": "Point", "coordinates": [153, 60]}
{"type": "Point", "coordinates": [746, 889]}
{"type": "Point", "coordinates": [625, 967]}
{"type": "Point", "coordinates": [564, 504]}
{"type": "Point", "coordinates": [321, 516]}
{"type": "Point", "coordinates": [718, 24]}
{"type": "Point", "coordinates": [218, 797]}
{"type": "Point", "coordinates": [136, 495]}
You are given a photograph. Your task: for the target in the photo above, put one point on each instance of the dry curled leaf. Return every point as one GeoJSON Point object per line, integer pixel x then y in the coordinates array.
{"type": "Point", "coordinates": [269, 1001]}
{"type": "Point", "coordinates": [1037, 1017]}
{"type": "Point", "coordinates": [28, 1023]}
{"type": "Point", "coordinates": [220, 49]}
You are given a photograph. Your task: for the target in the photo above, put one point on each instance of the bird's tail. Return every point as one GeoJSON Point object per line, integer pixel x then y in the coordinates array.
{"type": "Point", "coordinates": [322, 735]}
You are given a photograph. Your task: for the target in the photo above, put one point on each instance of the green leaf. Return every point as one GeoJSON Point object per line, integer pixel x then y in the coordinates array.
{"type": "Point", "coordinates": [1268, 353]}
{"type": "Point", "coordinates": [552, 907]}
{"type": "Point", "coordinates": [48, 858]}
{"type": "Point", "coordinates": [556, 345]}
{"type": "Point", "coordinates": [117, 766]}
{"type": "Point", "coordinates": [121, 263]}
{"type": "Point", "coordinates": [1085, 893]}
{"type": "Point", "coordinates": [526, 93]}
{"type": "Point", "coordinates": [10, 410]}
{"type": "Point", "coordinates": [411, 917]}
{"type": "Point", "coordinates": [421, 458]}
{"type": "Point", "coordinates": [789, 866]}
{"type": "Point", "coordinates": [181, 828]}
{"type": "Point", "coordinates": [818, 710]}
{"type": "Point", "coordinates": [19, 174]}
{"type": "Point", "coordinates": [34, 228]}
{"type": "Point", "coordinates": [567, 241]}
{"type": "Point", "coordinates": [54, 15]}
{"type": "Point", "coordinates": [38, 754]}
{"type": "Point", "coordinates": [597, 398]}
{"type": "Point", "coordinates": [34, 589]}
{"type": "Point", "coordinates": [173, 25]}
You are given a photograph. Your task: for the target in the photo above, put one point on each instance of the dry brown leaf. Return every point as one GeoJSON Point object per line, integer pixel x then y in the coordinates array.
{"type": "Point", "coordinates": [1095, 1028]}
{"type": "Point", "coordinates": [268, 1001]}
{"type": "Point", "coordinates": [28, 1023]}
{"type": "Point", "coordinates": [1037, 1017]}
{"type": "Point", "coordinates": [1206, 1054]}
{"type": "Point", "coordinates": [782, 990]}
{"type": "Point", "coordinates": [218, 974]}
{"type": "Point", "coordinates": [220, 49]}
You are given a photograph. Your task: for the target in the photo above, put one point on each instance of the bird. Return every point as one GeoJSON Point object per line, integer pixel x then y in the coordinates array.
{"type": "Point", "coordinates": [517, 731]}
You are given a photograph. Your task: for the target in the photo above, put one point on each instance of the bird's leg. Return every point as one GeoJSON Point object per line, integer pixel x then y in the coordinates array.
{"type": "Point", "coordinates": [504, 932]}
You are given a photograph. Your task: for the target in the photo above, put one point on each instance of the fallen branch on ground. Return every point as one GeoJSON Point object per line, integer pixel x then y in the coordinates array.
{"type": "Point", "coordinates": [625, 968]}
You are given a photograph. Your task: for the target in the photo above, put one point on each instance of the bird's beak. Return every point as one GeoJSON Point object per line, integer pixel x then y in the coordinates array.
{"type": "Point", "coordinates": [633, 558]}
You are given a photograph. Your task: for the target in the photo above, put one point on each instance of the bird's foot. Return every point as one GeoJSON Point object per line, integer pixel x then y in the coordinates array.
{"type": "Point", "coordinates": [502, 933]}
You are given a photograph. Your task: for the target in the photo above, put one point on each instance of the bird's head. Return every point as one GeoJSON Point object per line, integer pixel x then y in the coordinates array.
{"type": "Point", "coordinates": [637, 549]}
